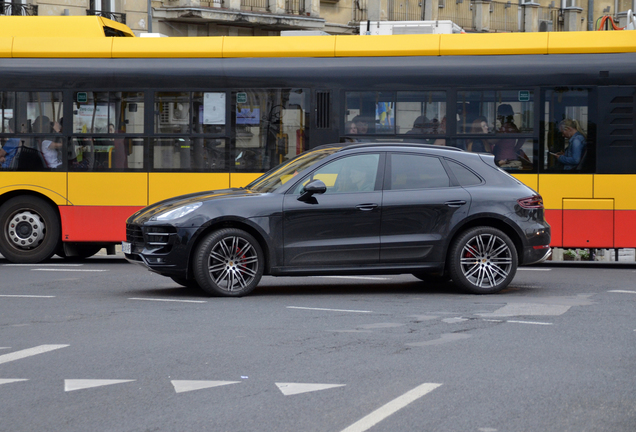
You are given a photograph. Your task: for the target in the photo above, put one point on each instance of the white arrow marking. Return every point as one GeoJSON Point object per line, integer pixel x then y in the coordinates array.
{"type": "Point", "coordinates": [329, 310]}
{"type": "Point", "coordinates": [26, 296]}
{"type": "Point", "coordinates": [29, 352]}
{"type": "Point", "coordinates": [366, 423]}
{"type": "Point", "coordinates": [181, 386]}
{"type": "Point", "coordinates": [289, 389]}
{"type": "Point", "coordinates": [8, 381]}
{"type": "Point", "coordinates": [623, 291]}
{"type": "Point", "coordinates": [79, 384]}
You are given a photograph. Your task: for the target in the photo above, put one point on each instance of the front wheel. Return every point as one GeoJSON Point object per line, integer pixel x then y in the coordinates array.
{"type": "Point", "coordinates": [483, 260]}
{"type": "Point", "coordinates": [30, 230]}
{"type": "Point", "coordinates": [228, 263]}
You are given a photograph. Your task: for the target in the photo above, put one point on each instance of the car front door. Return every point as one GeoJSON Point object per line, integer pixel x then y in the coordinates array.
{"type": "Point", "coordinates": [419, 208]}
{"type": "Point", "coordinates": [341, 226]}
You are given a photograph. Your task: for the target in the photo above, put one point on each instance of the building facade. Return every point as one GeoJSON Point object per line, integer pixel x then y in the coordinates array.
{"type": "Point", "coordinates": [270, 17]}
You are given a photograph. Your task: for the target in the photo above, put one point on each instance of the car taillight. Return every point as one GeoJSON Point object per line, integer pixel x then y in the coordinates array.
{"type": "Point", "coordinates": [533, 202]}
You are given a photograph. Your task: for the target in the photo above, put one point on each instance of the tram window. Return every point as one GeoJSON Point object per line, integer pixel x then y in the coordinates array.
{"type": "Point", "coordinates": [108, 112]}
{"type": "Point", "coordinates": [566, 123]}
{"type": "Point", "coordinates": [421, 113]}
{"type": "Point", "coordinates": [504, 112]}
{"type": "Point", "coordinates": [188, 154]}
{"type": "Point", "coordinates": [172, 112]}
{"type": "Point", "coordinates": [371, 112]}
{"type": "Point", "coordinates": [270, 127]}
{"type": "Point", "coordinates": [37, 111]}
{"type": "Point", "coordinates": [116, 153]}
{"type": "Point", "coordinates": [7, 111]}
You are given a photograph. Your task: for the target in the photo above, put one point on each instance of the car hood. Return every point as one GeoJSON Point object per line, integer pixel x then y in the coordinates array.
{"type": "Point", "coordinates": [147, 213]}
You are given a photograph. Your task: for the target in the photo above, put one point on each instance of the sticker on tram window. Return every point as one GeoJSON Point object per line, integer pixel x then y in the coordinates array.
{"type": "Point", "coordinates": [524, 96]}
{"type": "Point", "coordinates": [82, 97]}
{"type": "Point", "coordinates": [213, 109]}
{"type": "Point", "coordinates": [241, 98]}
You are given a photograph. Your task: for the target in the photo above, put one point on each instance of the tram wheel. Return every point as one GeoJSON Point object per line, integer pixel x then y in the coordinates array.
{"type": "Point", "coordinates": [31, 230]}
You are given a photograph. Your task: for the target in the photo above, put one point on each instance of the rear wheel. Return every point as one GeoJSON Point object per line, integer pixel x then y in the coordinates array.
{"type": "Point", "coordinates": [30, 230]}
{"type": "Point", "coordinates": [483, 260]}
{"type": "Point", "coordinates": [229, 263]}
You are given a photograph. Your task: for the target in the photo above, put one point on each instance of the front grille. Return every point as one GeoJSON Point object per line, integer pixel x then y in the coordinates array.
{"type": "Point", "coordinates": [134, 234]}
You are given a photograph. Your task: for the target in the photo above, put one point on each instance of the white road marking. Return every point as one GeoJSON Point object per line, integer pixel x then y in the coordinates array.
{"type": "Point", "coordinates": [330, 310]}
{"type": "Point", "coordinates": [454, 320]}
{"type": "Point", "coordinates": [7, 381]}
{"type": "Point", "coordinates": [355, 277]}
{"type": "Point", "coordinates": [289, 389]}
{"type": "Point", "coordinates": [534, 269]}
{"type": "Point", "coordinates": [181, 386]}
{"type": "Point", "coordinates": [42, 265]}
{"type": "Point", "coordinates": [395, 405]}
{"type": "Point", "coordinates": [67, 270]}
{"type": "Point", "coordinates": [529, 322]}
{"type": "Point", "coordinates": [26, 296]}
{"type": "Point", "coordinates": [168, 300]}
{"type": "Point", "coordinates": [444, 338]}
{"type": "Point", "coordinates": [6, 358]}
{"type": "Point", "coordinates": [80, 384]}
{"type": "Point", "coordinates": [623, 291]}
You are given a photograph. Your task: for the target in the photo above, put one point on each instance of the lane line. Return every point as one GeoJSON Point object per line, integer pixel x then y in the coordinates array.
{"type": "Point", "coordinates": [623, 291]}
{"type": "Point", "coordinates": [6, 358]}
{"type": "Point", "coordinates": [367, 422]}
{"type": "Point", "coordinates": [43, 265]}
{"type": "Point", "coordinates": [26, 296]}
{"type": "Point", "coordinates": [534, 269]}
{"type": "Point", "coordinates": [67, 270]}
{"type": "Point", "coordinates": [355, 277]}
{"type": "Point", "coordinates": [168, 300]}
{"type": "Point", "coordinates": [529, 322]}
{"type": "Point", "coordinates": [329, 310]}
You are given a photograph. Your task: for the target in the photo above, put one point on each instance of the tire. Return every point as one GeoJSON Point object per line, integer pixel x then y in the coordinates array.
{"type": "Point", "coordinates": [483, 260]}
{"type": "Point", "coordinates": [228, 263]}
{"type": "Point", "coordinates": [31, 231]}
{"type": "Point", "coordinates": [188, 283]}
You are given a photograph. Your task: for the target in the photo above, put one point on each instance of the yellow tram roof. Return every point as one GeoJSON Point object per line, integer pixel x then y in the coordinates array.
{"type": "Point", "coordinates": [77, 37]}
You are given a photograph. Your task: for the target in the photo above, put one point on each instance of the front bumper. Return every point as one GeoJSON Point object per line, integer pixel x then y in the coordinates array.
{"type": "Point", "coordinates": [162, 249]}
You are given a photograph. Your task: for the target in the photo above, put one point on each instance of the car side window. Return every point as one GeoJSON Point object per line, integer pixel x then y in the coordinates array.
{"type": "Point", "coordinates": [410, 171]}
{"type": "Point", "coordinates": [464, 176]}
{"type": "Point", "coordinates": [356, 173]}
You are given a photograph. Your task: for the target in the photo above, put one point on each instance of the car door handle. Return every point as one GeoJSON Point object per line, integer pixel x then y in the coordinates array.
{"type": "Point", "coordinates": [366, 207]}
{"type": "Point", "coordinates": [455, 203]}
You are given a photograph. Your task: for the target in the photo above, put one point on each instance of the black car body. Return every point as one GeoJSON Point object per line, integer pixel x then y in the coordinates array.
{"type": "Point", "coordinates": [435, 212]}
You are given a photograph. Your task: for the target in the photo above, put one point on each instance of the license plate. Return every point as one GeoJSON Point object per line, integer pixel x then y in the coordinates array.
{"type": "Point", "coordinates": [126, 247]}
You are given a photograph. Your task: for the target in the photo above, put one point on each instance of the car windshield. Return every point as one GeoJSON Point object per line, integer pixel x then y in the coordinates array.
{"type": "Point", "coordinates": [277, 177]}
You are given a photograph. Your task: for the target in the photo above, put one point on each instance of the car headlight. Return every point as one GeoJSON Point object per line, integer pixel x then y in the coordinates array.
{"type": "Point", "coordinates": [178, 212]}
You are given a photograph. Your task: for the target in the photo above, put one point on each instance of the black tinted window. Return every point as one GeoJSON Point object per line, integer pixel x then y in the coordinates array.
{"type": "Point", "coordinates": [464, 176]}
{"type": "Point", "coordinates": [409, 171]}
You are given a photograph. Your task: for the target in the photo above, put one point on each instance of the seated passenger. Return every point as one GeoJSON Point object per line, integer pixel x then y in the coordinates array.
{"type": "Point", "coordinates": [362, 124]}
{"type": "Point", "coordinates": [420, 125]}
{"type": "Point", "coordinates": [10, 148]}
{"type": "Point", "coordinates": [479, 145]}
{"type": "Point", "coordinates": [350, 128]}
{"type": "Point", "coordinates": [49, 146]}
{"type": "Point", "coordinates": [505, 150]}
{"type": "Point", "coordinates": [571, 157]}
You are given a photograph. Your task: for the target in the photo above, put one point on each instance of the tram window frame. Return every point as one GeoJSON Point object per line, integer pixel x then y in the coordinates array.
{"type": "Point", "coordinates": [165, 103]}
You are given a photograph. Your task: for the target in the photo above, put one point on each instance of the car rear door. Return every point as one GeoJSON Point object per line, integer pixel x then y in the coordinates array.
{"type": "Point", "coordinates": [420, 206]}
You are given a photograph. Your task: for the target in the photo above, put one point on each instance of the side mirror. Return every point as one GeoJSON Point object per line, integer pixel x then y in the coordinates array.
{"type": "Point", "coordinates": [311, 188]}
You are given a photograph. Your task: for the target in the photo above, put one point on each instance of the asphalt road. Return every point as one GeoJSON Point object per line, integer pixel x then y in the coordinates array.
{"type": "Point", "coordinates": [107, 346]}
